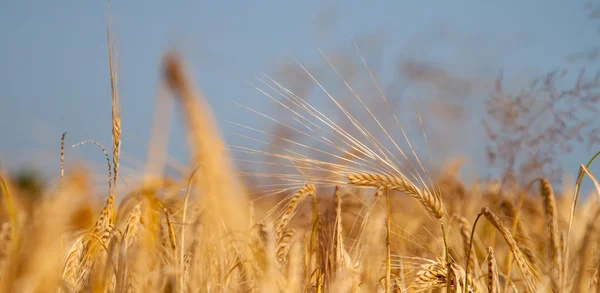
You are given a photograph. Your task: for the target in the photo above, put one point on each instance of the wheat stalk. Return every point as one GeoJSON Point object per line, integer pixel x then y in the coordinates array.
{"type": "Point", "coordinates": [530, 279]}
{"type": "Point", "coordinates": [62, 159]}
{"type": "Point", "coordinates": [519, 232]}
{"type": "Point", "coordinates": [465, 234]}
{"type": "Point", "coordinates": [388, 244]}
{"type": "Point", "coordinates": [585, 252]}
{"type": "Point", "coordinates": [582, 170]}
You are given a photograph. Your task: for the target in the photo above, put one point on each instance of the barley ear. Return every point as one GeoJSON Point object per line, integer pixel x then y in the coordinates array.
{"type": "Point", "coordinates": [431, 202]}
{"type": "Point", "coordinates": [552, 226]}
{"type": "Point", "coordinates": [465, 233]}
{"type": "Point", "coordinates": [290, 210]}
{"type": "Point", "coordinates": [492, 275]}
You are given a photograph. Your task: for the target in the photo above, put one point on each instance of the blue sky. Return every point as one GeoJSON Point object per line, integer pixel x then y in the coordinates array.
{"type": "Point", "coordinates": [54, 73]}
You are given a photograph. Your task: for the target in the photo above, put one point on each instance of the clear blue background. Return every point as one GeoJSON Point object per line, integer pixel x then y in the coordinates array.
{"type": "Point", "coordinates": [54, 64]}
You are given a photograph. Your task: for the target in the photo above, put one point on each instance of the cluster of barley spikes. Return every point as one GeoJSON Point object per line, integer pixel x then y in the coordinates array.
{"type": "Point", "coordinates": [355, 213]}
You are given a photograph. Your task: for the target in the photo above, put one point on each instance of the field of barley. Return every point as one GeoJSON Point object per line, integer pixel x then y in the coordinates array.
{"type": "Point", "coordinates": [332, 198]}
